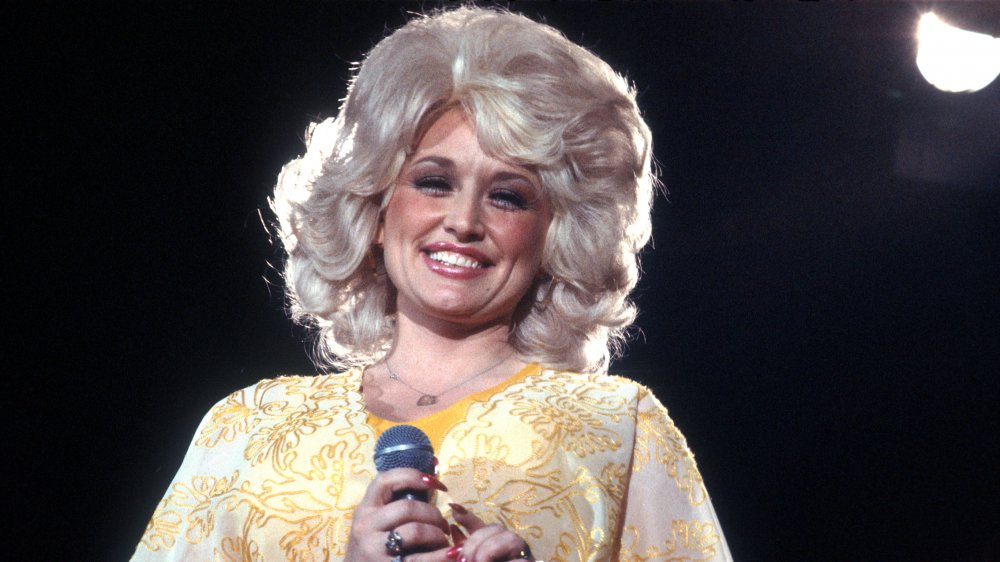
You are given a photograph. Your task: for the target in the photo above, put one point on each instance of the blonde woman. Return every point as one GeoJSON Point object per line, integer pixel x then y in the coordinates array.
{"type": "Point", "coordinates": [463, 239]}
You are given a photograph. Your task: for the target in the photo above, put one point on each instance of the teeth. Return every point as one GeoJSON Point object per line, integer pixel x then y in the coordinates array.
{"type": "Point", "coordinates": [451, 258]}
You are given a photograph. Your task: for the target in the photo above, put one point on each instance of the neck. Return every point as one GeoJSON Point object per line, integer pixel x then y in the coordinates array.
{"type": "Point", "coordinates": [421, 349]}
{"type": "Point", "coordinates": [443, 365]}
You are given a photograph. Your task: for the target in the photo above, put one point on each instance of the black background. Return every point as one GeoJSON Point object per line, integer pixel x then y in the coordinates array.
{"type": "Point", "coordinates": [820, 313]}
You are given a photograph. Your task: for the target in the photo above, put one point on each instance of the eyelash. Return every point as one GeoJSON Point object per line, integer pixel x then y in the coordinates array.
{"type": "Point", "coordinates": [509, 199]}
{"type": "Point", "coordinates": [432, 183]}
{"type": "Point", "coordinates": [503, 198]}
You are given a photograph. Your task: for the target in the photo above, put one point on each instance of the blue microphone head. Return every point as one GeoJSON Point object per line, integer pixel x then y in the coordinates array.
{"type": "Point", "coordinates": [404, 446]}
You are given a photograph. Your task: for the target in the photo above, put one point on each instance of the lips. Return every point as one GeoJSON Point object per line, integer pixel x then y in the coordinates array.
{"type": "Point", "coordinates": [447, 256]}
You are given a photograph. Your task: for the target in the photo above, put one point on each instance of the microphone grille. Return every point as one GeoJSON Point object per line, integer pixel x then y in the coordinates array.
{"type": "Point", "coordinates": [404, 446]}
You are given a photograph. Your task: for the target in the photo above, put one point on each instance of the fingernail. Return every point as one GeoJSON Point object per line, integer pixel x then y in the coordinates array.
{"type": "Point", "coordinates": [433, 482]}
{"type": "Point", "coordinates": [457, 536]}
{"type": "Point", "coordinates": [463, 559]}
{"type": "Point", "coordinates": [457, 508]}
{"type": "Point", "coordinates": [453, 552]}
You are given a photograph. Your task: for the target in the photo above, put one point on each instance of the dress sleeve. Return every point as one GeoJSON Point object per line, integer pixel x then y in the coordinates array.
{"type": "Point", "coordinates": [668, 514]}
{"type": "Point", "coordinates": [274, 473]}
{"type": "Point", "coordinates": [187, 521]}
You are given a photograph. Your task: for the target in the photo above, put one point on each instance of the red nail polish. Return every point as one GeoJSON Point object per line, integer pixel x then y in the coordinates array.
{"type": "Point", "coordinates": [457, 536]}
{"type": "Point", "coordinates": [457, 508]}
{"type": "Point", "coordinates": [433, 482]}
{"type": "Point", "coordinates": [453, 552]}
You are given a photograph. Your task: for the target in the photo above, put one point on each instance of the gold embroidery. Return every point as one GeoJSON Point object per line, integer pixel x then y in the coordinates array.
{"type": "Point", "coordinates": [658, 439]}
{"type": "Point", "coordinates": [278, 469]}
{"type": "Point", "coordinates": [198, 497]}
{"type": "Point", "coordinates": [228, 419]}
{"type": "Point", "coordinates": [688, 541]}
{"type": "Point", "coordinates": [279, 441]}
{"type": "Point", "coordinates": [237, 549]}
{"type": "Point", "coordinates": [162, 529]}
{"type": "Point", "coordinates": [574, 418]}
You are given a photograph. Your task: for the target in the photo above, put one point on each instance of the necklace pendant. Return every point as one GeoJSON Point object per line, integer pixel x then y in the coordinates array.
{"type": "Point", "coordinates": [427, 400]}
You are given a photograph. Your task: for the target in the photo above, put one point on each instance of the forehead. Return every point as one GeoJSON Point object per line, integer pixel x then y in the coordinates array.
{"type": "Point", "coordinates": [447, 128]}
{"type": "Point", "coordinates": [452, 135]}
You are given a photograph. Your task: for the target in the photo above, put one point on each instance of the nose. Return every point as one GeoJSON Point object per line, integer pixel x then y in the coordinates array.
{"type": "Point", "coordinates": [463, 218]}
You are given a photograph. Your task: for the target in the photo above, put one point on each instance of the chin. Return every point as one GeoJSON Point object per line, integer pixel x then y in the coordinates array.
{"type": "Point", "coordinates": [467, 315]}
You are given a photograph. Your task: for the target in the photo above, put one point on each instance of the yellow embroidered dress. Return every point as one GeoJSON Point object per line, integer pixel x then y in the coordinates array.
{"type": "Point", "coordinates": [584, 467]}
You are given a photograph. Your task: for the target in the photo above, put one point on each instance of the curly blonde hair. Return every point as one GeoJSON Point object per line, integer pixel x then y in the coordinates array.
{"type": "Point", "coordinates": [537, 100]}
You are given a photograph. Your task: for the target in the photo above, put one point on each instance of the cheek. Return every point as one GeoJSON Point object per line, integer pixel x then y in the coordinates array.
{"type": "Point", "coordinates": [405, 215]}
{"type": "Point", "coordinates": [526, 239]}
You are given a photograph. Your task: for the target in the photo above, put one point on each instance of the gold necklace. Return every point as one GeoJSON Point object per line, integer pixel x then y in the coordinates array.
{"type": "Point", "coordinates": [428, 399]}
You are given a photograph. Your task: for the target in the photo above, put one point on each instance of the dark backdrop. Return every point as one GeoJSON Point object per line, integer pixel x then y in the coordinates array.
{"type": "Point", "coordinates": [820, 313]}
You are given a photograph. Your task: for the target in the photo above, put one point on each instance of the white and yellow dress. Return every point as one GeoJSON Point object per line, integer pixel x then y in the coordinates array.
{"type": "Point", "coordinates": [583, 467]}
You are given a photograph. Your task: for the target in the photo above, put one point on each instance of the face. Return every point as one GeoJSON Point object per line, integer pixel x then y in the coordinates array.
{"type": "Point", "coordinates": [463, 233]}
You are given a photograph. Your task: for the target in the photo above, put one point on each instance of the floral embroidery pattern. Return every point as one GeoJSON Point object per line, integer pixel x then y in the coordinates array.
{"type": "Point", "coordinates": [236, 549]}
{"type": "Point", "coordinates": [570, 423]}
{"type": "Point", "coordinates": [278, 442]}
{"type": "Point", "coordinates": [659, 440]}
{"type": "Point", "coordinates": [227, 419]}
{"type": "Point", "coordinates": [688, 541]}
{"type": "Point", "coordinates": [278, 468]}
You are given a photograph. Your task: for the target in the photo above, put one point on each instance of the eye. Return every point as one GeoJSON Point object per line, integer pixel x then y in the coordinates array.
{"type": "Point", "coordinates": [510, 199]}
{"type": "Point", "coordinates": [432, 185]}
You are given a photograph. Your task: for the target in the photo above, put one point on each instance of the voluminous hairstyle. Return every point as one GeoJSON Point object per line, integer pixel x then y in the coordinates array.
{"type": "Point", "coordinates": [537, 100]}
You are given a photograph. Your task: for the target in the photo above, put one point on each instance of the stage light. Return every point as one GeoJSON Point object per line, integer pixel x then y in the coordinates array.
{"type": "Point", "coordinates": [953, 59]}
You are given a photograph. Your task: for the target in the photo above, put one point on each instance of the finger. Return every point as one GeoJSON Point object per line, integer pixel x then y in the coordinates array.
{"type": "Point", "coordinates": [381, 490]}
{"type": "Point", "coordinates": [493, 543]}
{"type": "Point", "coordinates": [503, 547]}
{"type": "Point", "coordinates": [401, 512]}
{"type": "Point", "coordinates": [466, 518]}
{"type": "Point", "coordinates": [421, 537]}
{"type": "Point", "coordinates": [372, 524]}
{"type": "Point", "coordinates": [439, 555]}
{"type": "Point", "coordinates": [472, 549]}
{"type": "Point", "coordinates": [487, 543]}
{"type": "Point", "coordinates": [404, 540]}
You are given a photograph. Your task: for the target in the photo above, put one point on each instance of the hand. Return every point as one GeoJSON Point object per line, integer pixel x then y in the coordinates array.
{"type": "Point", "coordinates": [488, 543]}
{"type": "Point", "coordinates": [420, 525]}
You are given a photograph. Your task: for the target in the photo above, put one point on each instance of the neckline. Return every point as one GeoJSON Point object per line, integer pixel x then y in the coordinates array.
{"type": "Point", "coordinates": [479, 396]}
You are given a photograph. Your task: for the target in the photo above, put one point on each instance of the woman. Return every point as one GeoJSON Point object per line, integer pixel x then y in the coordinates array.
{"type": "Point", "coordinates": [463, 237]}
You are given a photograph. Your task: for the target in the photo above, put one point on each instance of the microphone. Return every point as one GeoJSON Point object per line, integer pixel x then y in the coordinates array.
{"type": "Point", "coordinates": [405, 446]}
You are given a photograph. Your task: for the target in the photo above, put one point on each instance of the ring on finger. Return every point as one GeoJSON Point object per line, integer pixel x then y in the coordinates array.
{"type": "Point", "coordinates": [394, 545]}
{"type": "Point", "coordinates": [397, 558]}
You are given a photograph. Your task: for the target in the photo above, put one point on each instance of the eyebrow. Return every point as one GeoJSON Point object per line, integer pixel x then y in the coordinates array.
{"type": "Point", "coordinates": [439, 160]}
{"type": "Point", "coordinates": [505, 175]}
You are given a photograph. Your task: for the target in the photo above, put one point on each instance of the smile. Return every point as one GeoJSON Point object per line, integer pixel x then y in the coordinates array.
{"type": "Point", "coordinates": [452, 258]}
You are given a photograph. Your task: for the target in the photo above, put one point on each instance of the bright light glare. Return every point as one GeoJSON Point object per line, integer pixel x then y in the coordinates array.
{"type": "Point", "coordinates": [956, 60]}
